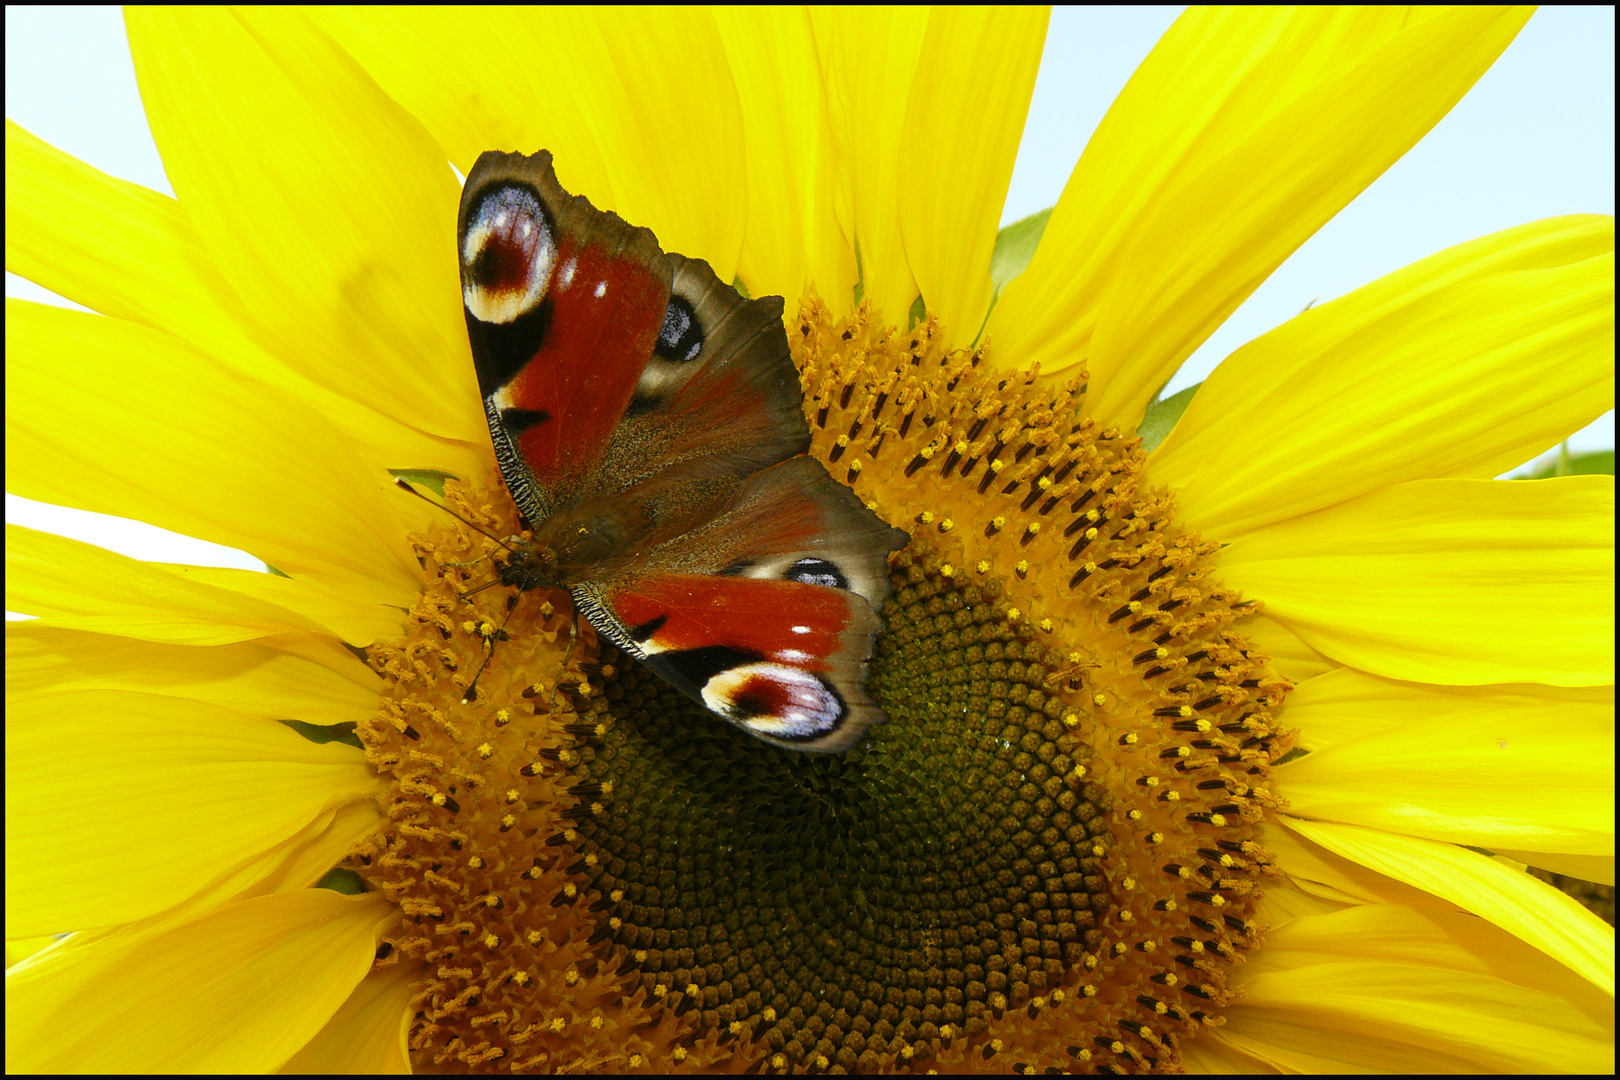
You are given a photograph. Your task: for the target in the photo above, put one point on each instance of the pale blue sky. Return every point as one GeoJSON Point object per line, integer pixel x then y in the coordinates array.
{"type": "Point", "coordinates": [1533, 139]}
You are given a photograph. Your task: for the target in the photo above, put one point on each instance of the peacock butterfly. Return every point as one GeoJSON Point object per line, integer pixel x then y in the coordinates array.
{"type": "Point", "coordinates": [648, 421]}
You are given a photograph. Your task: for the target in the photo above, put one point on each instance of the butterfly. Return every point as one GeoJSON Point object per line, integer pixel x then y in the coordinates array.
{"type": "Point", "coordinates": [649, 423]}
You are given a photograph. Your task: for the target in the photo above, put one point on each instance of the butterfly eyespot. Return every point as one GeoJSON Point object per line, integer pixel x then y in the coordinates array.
{"type": "Point", "coordinates": [817, 572]}
{"type": "Point", "coordinates": [776, 700]}
{"type": "Point", "coordinates": [681, 338]}
{"type": "Point", "coordinates": [506, 254]}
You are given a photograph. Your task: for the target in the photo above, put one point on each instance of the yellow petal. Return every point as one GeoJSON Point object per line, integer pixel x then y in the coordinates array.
{"type": "Point", "coordinates": [328, 209]}
{"type": "Point", "coordinates": [1525, 767]}
{"type": "Point", "coordinates": [1594, 868]}
{"type": "Point", "coordinates": [183, 790]}
{"type": "Point", "coordinates": [1524, 906]}
{"type": "Point", "coordinates": [664, 109]}
{"type": "Point", "coordinates": [1388, 989]}
{"type": "Point", "coordinates": [123, 250]}
{"type": "Point", "coordinates": [639, 111]}
{"type": "Point", "coordinates": [868, 58]}
{"type": "Point", "coordinates": [1240, 135]}
{"type": "Point", "coordinates": [794, 242]}
{"type": "Point", "coordinates": [368, 1033]}
{"type": "Point", "coordinates": [1463, 364]}
{"type": "Point", "coordinates": [240, 990]}
{"type": "Point", "coordinates": [437, 63]}
{"type": "Point", "coordinates": [1458, 582]}
{"type": "Point", "coordinates": [160, 434]}
{"type": "Point", "coordinates": [963, 123]}
{"type": "Point", "coordinates": [1290, 656]}
{"type": "Point", "coordinates": [247, 676]}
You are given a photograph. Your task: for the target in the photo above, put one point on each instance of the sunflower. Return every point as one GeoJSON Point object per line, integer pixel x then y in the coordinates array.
{"type": "Point", "coordinates": [1203, 746]}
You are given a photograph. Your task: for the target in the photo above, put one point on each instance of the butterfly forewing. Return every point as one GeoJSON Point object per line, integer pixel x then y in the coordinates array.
{"type": "Point", "coordinates": [564, 304]}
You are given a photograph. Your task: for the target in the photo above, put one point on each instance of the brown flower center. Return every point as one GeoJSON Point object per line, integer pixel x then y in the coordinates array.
{"type": "Point", "coordinates": [1046, 859]}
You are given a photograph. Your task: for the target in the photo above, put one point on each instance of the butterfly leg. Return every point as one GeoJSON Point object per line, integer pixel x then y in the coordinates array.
{"type": "Point", "coordinates": [573, 640]}
{"type": "Point", "coordinates": [491, 637]}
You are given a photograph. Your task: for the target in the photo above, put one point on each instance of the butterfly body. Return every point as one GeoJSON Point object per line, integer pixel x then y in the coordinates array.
{"type": "Point", "coordinates": [648, 421]}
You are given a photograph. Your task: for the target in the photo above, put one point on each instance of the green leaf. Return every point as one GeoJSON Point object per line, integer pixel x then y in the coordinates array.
{"type": "Point", "coordinates": [315, 733]}
{"type": "Point", "coordinates": [860, 275]}
{"type": "Point", "coordinates": [1591, 463]}
{"type": "Point", "coordinates": [1161, 417]}
{"type": "Point", "coordinates": [342, 881]}
{"type": "Point", "coordinates": [1015, 246]}
{"type": "Point", "coordinates": [432, 479]}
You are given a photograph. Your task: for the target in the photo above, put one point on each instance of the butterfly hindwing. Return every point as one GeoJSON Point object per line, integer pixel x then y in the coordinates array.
{"type": "Point", "coordinates": [767, 613]}
{"type": "Point", "coordinates": [564, 304]}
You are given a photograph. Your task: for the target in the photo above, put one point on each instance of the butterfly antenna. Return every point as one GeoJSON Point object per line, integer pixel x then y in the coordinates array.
{"type": "Point", "coordinates": [408, 486]}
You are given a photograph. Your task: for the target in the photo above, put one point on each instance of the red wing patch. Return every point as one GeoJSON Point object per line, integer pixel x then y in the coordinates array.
{"type": "Point", "coordinates": [784, 660]}
{"type": "Point", "coordinates": [782, 621]}
{"type": "Point", "coordinates": [604, 317]}
{"type": "Point", "coordinates": [564, 304]}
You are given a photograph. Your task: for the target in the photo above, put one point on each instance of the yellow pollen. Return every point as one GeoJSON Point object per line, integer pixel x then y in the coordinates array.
{"type": "Point", "coordinates": [947, 525]}
{"type": "Point", "coordinates": [982, 566]}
